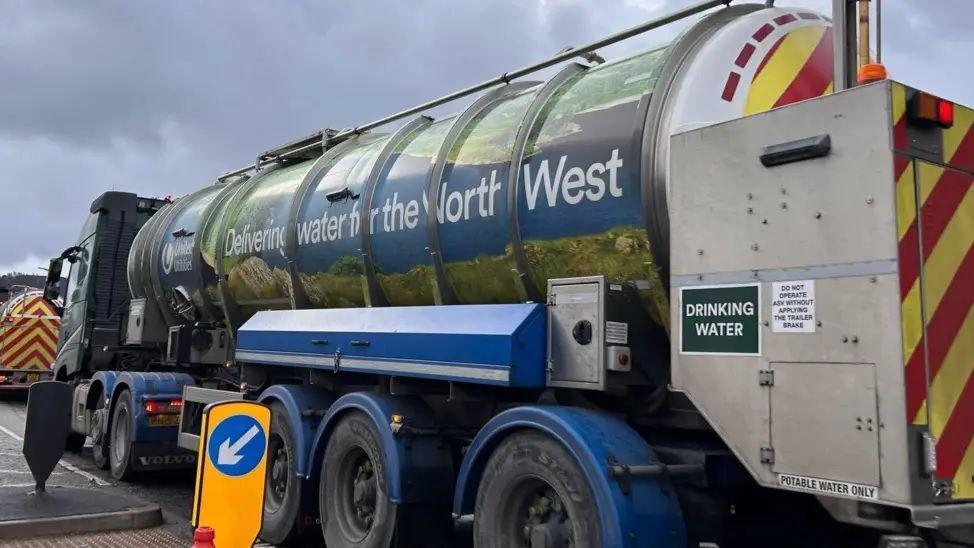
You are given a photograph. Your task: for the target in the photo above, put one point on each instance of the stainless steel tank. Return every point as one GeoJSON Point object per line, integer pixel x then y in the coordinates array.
{"type": "Point", "coordinates": [532, 181]}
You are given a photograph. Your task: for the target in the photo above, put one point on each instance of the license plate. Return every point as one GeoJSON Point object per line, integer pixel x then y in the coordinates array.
{"type": "Point", "coordinates": [164, 420]}
{"type": "Point", "coordinates": [33, 377]}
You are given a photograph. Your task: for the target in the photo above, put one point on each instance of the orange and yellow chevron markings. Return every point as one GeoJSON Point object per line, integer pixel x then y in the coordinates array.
{"type": "Point", "coordinates": [938, 307]}
{"type": "Point", "coordinates": [28, 334]}
{"type": "Point", "coordinates": [796, 67]}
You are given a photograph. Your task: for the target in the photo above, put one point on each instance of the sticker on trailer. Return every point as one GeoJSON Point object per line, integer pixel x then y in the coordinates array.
{"type": "Point", "coordinates": [793, 307]}
{"type": "Point", "coordinates": [721, 320]}
{"type": "Point", "coordinates": [829, 487]}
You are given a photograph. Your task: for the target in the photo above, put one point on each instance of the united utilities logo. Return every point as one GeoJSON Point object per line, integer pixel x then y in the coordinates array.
{"type": "Point", "coordinates": [178, 256]}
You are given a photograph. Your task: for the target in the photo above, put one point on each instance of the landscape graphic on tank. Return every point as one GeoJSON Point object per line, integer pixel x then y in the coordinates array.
{"type": "Point", "coordinates": [253, 243]}
{"type": "Point", "coordinates": [579, 205]}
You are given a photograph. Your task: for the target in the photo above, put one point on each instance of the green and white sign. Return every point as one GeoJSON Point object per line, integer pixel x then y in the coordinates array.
{"type": "Point", "coordinates": [724, 319]}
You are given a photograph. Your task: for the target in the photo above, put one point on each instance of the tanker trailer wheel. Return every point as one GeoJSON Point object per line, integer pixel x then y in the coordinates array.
{"type": "Point", "coordinates": [99, 435]}
{"type": "Point", "coordinates": [533, 494]}
{"type": "Point", "coordinates": [353, 498]}
{"type": "Point", "coordinates": [282, 488]}
{"type": "Point", "coordinates": [120, 443]}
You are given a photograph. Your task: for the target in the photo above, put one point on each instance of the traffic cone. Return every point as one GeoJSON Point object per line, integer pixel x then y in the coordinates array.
{"type": "Point", "coordinates": [203, 537]}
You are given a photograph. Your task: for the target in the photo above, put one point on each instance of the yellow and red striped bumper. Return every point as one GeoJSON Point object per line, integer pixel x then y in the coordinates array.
{"type": "Point", "coordinates": [28, 335]}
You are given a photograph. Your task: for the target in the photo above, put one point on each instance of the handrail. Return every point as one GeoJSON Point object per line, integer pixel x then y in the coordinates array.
{"type": "Point", "coordinates": [504, 78]}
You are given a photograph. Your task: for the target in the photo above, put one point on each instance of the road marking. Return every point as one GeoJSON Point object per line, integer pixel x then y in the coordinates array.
{"type": "Point", "coordinates": [27, 472]}
{"type": "Point", "coordinates": [90, 477]}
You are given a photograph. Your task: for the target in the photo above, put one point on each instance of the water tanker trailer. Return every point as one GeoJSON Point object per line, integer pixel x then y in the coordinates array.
{"type": "Point", "coordinates": [663, 300]}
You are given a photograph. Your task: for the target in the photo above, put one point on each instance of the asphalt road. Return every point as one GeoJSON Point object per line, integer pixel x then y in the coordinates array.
{"type": "Point", "coordinates": [173, 492]}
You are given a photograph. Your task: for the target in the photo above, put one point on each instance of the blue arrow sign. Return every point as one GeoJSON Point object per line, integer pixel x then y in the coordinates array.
{"type": "Point", "coordinates": [237, 445]}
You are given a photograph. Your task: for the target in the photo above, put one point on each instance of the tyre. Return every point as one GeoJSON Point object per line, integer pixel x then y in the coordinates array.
{"type": "Point", "coordinates": [120, 442]}
{"type": "Point", "coordinates": [75, 442]}
{"type": "Point", "coordinates": [99, 435]}
{"type": "Point", "coordinates": [353, 498]}
{"type": "Point", "coordinates": [282, 488]}
{"type": "Point", "coordinates": [533, 493]}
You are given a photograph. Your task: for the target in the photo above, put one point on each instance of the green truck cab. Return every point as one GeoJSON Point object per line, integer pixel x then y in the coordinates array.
{"type": "Point", "coordinates": [96, 297]}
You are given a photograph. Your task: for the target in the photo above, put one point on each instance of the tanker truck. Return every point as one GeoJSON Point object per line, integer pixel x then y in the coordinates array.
{"type": "Point", "coordinates": [709, 294]}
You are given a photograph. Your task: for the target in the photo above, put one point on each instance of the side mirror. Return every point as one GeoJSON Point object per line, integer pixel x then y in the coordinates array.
{"type": "Point", "coordinates": [52, 285]}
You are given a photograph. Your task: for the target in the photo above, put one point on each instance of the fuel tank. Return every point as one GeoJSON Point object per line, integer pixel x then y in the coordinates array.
{"type": "Point", "coordinates": [532, 181]}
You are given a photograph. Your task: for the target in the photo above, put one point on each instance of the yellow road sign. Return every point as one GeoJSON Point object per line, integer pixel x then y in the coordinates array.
{"type": "Point", "coordinates": [230, 471]}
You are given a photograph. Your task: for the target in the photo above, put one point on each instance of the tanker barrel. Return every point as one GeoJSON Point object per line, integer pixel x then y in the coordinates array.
{"type": "Point", "coordinates": [532, 182]}
{"type": "Point", "coordinates": [515, 74]}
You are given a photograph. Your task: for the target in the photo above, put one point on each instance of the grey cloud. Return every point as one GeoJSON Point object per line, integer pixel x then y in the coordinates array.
{"type": "Point", "coordinates": [160, 97]}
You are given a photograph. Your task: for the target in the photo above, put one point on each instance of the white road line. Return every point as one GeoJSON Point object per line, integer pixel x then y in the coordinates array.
{"type": "Point", "coordinates": [10, 433]}
{"type": "Point", "coordinates": [90, 477]}
{"type": "Point", "coordinates": [27, 472]}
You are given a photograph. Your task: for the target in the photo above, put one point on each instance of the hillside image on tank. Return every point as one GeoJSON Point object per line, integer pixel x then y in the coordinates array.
{"type": "Point", "coordinates": [253, 248]}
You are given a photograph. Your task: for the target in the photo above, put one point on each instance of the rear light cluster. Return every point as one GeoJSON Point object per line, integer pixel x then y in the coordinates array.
{"type": "Point", "coordinates": [932, 110]}
{"type": "Point", "coordinates": [163, 406]}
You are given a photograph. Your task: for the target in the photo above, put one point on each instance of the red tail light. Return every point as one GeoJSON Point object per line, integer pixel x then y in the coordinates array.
{"type": "Point", "coordinates": [162, 406]}
{"type": "Point", "coordinates": [945, 113]}
{"type": "Point", "coordinates": [930, 109]}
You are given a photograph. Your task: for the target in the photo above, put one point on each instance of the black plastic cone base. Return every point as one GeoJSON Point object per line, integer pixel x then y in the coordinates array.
{"type": "Point", "coordinates": [66, 510]}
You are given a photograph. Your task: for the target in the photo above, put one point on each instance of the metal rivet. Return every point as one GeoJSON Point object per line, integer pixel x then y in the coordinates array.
{"type": "Point", "coordinates": [845, 339]}
{"type": "Point", "coordinates": [818, 214]}
{"type": "Point", "coordinates": [872, 279]}
{"type": "Point", "coordinates": [764, 222]}
{"type": "Point", "coordinates": [819, 324]}
{"type": "Point", "coordinates": [754, 247]}
{"type": "Point", "coordinates": [784, 205]}
{"type": "Point", "coordinates": [870, 200]}
{"type": "Point", "coordinates": [784, 191]}
{"type": "Point", "coordinates": [765, 323]}
{"type": "Point", "coordinates": [699, 252]}
{"type": "Point", "coordinates": [855, 339]}
{"type": "Point", "coordinates": [750, 211]}
{"type": "Point", "coordinates": [750, 196]}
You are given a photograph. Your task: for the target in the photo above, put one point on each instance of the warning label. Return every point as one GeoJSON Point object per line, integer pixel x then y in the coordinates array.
{"type": "Point", "coordinates": [829, 487]}
{"type": "Point", "coordinates": [793, 307]}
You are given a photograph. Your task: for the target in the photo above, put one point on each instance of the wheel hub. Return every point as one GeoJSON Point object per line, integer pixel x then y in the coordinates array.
{"type": "Point", "coordinates": [364, 492]}
{"type": "Point", "coordinates": [279, 470]}
{"type": "Point", "coordinates": [547, 524]}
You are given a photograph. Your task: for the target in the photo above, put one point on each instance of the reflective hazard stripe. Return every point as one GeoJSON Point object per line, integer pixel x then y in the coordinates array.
{"type": "Point", "coordinates": [28, 334]}
{"type": "Point", "coordinates": [935, 225]}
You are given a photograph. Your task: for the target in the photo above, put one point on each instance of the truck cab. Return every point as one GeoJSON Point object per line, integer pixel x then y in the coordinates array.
{"type": "Point", "coordinates": [96, 296]}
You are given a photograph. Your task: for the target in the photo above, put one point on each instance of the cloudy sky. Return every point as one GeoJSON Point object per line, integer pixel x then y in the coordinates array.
{"type": "Point", "coordinates": [161, 97]}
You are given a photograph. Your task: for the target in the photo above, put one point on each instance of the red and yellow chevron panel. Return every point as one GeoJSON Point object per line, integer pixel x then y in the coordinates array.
{"type": "Point", "coordinates": [798, 67]}
{"type": "Point", "coordinates": [935, 221]}
{"type": "Point", "coordinates": [28, 334]}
